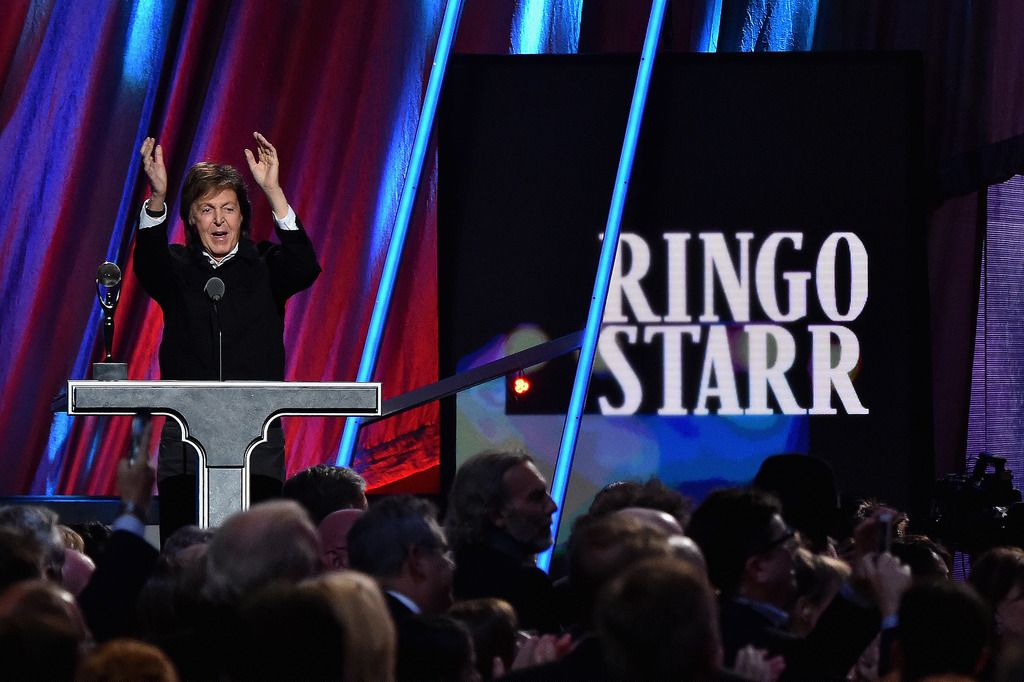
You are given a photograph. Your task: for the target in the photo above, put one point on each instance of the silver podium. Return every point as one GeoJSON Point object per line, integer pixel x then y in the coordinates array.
{"type": "Point", "coordinates": [223, 421]}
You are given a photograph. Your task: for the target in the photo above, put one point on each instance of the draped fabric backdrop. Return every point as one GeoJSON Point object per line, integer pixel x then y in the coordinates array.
{"type": "Point", "coordinates": [337, 87]}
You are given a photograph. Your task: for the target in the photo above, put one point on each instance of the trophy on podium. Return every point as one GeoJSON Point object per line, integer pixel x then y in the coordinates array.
{"type": "Point", "coordinates": [108, 291]}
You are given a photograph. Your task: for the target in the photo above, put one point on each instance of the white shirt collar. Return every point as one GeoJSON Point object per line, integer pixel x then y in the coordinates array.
{"type": "Point", "coordinates": [409, 603]}
{"type": "Point", "coordinates": [228, 256]}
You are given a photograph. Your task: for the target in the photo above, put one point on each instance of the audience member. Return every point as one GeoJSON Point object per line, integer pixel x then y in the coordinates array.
{"type": "Point", "coordinates": [77, 571]}
{"type": "Point", "coordinates": [39, 523]}
{"type": "Point", "coordinates": [108, 600]}
{"type": "Point", "coordinates": [499, 518]}
{"type": "Point", "coordinates": [322, 489]}
{"type": "Point", "coordinates": [442, 651]}
{"type": "Point", "coordinates": [278, 542]}
{"type": "Point", "coordinates": [32, 598]}
{"type": "Point", "coordinates": [287, 633]}
{"type": "Point", "coordinates": [653, 494]}
{"type": "Point", "coordinates": [333, 531]}
{"type": "Point", "coordinates": [171, 609]}
{"type": "Point", "coordinates": [750, 552]}
{"type": "Point", "coordinates": [998, 577]}
{"type": "Point", "coordinates": [818, 580]}
{"type": "Point", "coordinates": [38, 647]}
{"type": "Point", "coordinates": [70, 538]}
{"type": "Point", "coordinates": [369, 634]}
{"type": "Point", "coordinates": [184, 538]}
{"type": "Point", "coordinates": [945, 630]}
{"type": "Point", "coordinates": [601, 548]}
{"type": "Point", "coordinates": [399, 542]}
{"type": "Point", "coordinates": [806, 488]}
{"type": "Point", "coordinates": [657, 621]}
{"type": "Point", "coordinates": [926, 558]}
{"type": "Point", "coordinates": [683, 547]}
{"type": "Point", "coordinates": [95, 536]}
{"type": "Point", "coordinates": [492, 625]}
{"type": "Point", "coordinates": [21, 557]}
{"type": "Point", "coordinates": [126, 659]}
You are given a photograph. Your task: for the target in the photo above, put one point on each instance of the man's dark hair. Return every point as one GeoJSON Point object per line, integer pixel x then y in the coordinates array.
{"type": "Point", "coordinates": [282, 620]}
{"type": "Point", "coordinates": [380, 541]}
{"type": "Point", "coordinates": [95, 535]}
{"type": "Point", "coordinates": [730, 526]}
{"type": "Point", "coordinates": [38, 647]}
{"type": "Point", "coordinates": [204, 179]}
{"type": "Point", "coordinates": [478, 493]}
{"type": "Point", "coordinates": [653, 494]}
{"type": "Point", "coordinates": [945, 627]}
{"type": "Point", "coordinates": [996, 572]}
{"type": "Point", "coordinates": [322, 489]}
{"type": "Point", "coordinates": [441, 650]}
{"type": "Point", "coordinates": [926, 558]}
{"type": "Point", "coordinates": [659, 621]}
{"type": "Point", "coordinates": [806, 488]}
{"type": "Point", "coordinates": [41, 524]}
{"type": "Point", "coordinates": [492, 623]}
{"type": "Point", "coordinates": [21, 558]}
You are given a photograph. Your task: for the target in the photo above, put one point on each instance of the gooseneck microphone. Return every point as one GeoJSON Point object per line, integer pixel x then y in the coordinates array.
{"type": "Point", "coordinates": [215, 290]}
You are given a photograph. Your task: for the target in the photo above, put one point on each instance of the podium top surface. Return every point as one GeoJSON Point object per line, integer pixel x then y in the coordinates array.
{"type": "Point", "coordinates": [277, 398]}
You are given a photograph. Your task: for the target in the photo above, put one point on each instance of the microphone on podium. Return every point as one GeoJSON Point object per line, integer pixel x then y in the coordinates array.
{"type": "Point", "coordinates": [215, 290]}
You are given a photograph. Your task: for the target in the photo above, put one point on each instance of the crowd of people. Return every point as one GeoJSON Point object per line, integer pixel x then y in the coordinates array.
{"type": "Point", "coordinates": [318, 584]}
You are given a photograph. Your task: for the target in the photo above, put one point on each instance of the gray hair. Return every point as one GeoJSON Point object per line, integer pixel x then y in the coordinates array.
{"type": "Point", "coordinates": [272, 542]}
{"type": "Point", "coordinates": [39, 523]}
{"type": "Point", "coordinates": [380, 541]}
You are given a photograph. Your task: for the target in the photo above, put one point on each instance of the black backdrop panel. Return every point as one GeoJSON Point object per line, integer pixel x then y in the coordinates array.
{"type": "Point", "coordinates": [788, 173]}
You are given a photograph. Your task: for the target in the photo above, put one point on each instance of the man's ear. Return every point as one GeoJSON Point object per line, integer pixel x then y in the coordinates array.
{"type": "Point", "coordinates": [416, 561]}
{"type": "Point", "coordinates": [497, 518]}
{"type": "Point", "coordinates": [754, 570]}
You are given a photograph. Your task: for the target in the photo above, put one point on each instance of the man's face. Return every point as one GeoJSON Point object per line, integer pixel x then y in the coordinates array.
{"type": "Point", "coordinates": [526, 515]}
{"type": "Point", "coordinates": [778, 562]}
{"type": "Point", "coordinates": [218, 219]}
{"type": "Point", "coordinates": [439, 569]}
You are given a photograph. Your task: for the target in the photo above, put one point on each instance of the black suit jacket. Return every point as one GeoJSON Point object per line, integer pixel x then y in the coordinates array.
{"type": "Point", "coordinates": [843, 632]}
{"type": "Point", "coordinates": [482, 571]}
{"type": "Point", "coordinates": [108, 601]}
{"type": "Point", "coordinates": [258, 280]}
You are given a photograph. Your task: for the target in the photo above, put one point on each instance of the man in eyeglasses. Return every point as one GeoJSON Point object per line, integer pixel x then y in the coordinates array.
{"type": "Point", "coordinates": [750, 550]}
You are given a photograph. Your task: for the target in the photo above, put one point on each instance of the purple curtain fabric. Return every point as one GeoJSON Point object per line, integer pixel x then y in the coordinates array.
{"type": "Point", "coordinates": [335, 86]}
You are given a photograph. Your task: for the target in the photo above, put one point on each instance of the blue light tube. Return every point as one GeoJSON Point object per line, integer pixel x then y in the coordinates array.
{"type": "Point", "coordinates": [371, 347]}
{"type": "Point", "coordinates": [571, 430]}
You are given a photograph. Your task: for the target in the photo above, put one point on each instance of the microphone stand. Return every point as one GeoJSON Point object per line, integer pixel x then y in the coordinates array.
{"type": "Point", "coordinates": [220, 343]}
{"type": "Point", "coordinates": [215, 290]}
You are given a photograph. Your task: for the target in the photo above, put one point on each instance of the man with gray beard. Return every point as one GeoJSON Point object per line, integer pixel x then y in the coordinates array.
{"type": "Point", "coordinates": [499, 518]}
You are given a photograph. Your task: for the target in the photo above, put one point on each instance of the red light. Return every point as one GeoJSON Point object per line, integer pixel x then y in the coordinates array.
{"type": "Point", "coordinates": [521, 385]}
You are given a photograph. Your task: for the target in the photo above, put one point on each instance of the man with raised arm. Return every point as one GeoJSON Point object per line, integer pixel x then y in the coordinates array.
{"type": "Point", "coordinates": [257, 281]}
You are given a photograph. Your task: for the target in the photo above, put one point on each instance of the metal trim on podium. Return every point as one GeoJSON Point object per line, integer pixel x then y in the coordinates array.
{"type": "Point", "coordinates": [223, 421]}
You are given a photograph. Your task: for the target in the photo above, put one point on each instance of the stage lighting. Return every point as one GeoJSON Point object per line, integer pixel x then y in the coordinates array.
{"type": "Point", "coordinates": [521, 385]}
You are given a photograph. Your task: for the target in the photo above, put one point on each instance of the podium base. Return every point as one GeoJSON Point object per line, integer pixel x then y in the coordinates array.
{"type": "Point", "coordinates": [110, 371]}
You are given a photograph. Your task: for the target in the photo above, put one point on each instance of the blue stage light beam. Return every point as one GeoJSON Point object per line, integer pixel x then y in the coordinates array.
{"type": "Point", "coordinates": [571, 430]}
{"type": "Point", "coordinates": [375, 332]}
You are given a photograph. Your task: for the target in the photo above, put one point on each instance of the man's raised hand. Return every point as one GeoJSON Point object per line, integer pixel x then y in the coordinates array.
{"type": "Point", "coordinates": [153, 165]}
{"type": "Point", "coordinates": [264, 166]}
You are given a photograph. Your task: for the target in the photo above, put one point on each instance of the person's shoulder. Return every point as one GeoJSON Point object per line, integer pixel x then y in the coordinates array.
{"type": "Point", "coordinates": [181, 253]}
